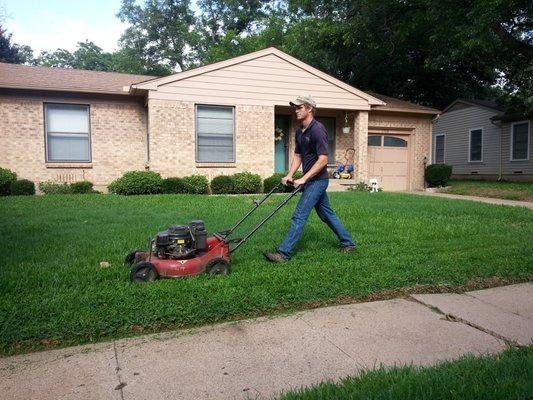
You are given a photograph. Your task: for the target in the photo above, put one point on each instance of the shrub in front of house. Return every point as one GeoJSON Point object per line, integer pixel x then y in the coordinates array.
{"type": "Point", "coordinates": [55, 188]}
{"type": "Point", "coordinates": [273, 180]}
{"type": "Point", "coordinates": [438, 174]}
{"type": "Point", "coordinates": [7, 177]}
{"type": "Point", "coordinates": [223, 184]}
{"type": "Point", "coordinates": [173, 185]}
{"type": "Point", "coordinates": [137, 182]}
{"type": "Point", "coordinates": [22, 187]}
{"type": "Point", "coordinates": [82, 187]}
{"type": "Point", "coordinates": [195, 184]}
{"type": "Point", "coordinates": [246, 182]}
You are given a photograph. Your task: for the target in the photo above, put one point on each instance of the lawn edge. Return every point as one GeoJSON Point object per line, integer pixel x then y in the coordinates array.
{"type": "Point", "coordinates": [31, 346]}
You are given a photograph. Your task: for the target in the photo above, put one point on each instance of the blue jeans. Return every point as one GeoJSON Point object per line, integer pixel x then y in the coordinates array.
{"type": "Point", "coordinates": [314, 195]}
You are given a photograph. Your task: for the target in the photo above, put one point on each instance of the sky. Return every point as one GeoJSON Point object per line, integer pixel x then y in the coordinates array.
{"type": "Point", "coordinates": [53, 24]}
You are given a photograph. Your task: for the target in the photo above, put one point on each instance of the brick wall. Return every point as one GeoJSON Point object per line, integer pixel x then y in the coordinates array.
{"type": "Point", "coordinates": [172, 140]}
{"type": "Point", "coordinates": [118, 139]}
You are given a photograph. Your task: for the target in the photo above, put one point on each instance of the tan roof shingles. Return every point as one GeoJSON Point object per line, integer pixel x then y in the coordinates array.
{"type": "Point", "coordinates": [64, 79]}
{"type": "Point", "coordinates": [401, 105]}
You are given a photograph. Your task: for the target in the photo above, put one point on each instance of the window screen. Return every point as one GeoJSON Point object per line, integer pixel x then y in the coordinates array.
{"type": "Point", "coordinates": [476, 145]}
{"type": "Point", "coordinates": [67, 133]}
{"type": "Point", "coordinates": [439, 149]}
{"type": "Point", "coordinates": [520, 141]}
{"type": "Point", "coordinates": [215, 134]}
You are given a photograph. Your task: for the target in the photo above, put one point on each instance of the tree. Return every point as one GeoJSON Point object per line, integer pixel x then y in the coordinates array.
{"type": "Point", "coordinates": [9, 52]}
{"type": "Point", "coordinates": [161, 32]}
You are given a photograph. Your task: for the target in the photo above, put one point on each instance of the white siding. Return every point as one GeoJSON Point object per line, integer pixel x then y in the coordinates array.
{"type": "Point", "coordinates": [268, 81]}
{"type": "Point", "coordinates": [456, 125]}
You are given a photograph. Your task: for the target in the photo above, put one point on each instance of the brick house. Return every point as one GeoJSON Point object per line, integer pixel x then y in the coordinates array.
{"type": "Point", "coordinates": [69, 125]}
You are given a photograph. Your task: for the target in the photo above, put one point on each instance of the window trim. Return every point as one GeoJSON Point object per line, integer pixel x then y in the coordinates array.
{"type": "Point", "coordinates": [234, 160]}
{"type": "Point", "coordinates": [470, 145]}
{"type": "Point", "coordinates": [89, 133]}
{"type": "Point", "coordinates": [528, 140]}
{"type": "Point", "coordinates": [443, 150]}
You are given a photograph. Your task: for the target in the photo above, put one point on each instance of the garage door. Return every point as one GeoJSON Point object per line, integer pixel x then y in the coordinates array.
{"type": "Point", "coordinates": [389, 161]}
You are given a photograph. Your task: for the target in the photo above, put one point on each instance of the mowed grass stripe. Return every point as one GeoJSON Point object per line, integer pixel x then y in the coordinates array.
{"type": "Point", "coordinates": [53, 290]}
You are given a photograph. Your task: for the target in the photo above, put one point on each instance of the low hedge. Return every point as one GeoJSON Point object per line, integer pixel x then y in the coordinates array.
{"type": "Point", "coordinates": [223, 184]}
{"type": "Point", "coordinates": [195, 184]}
{"type": "Point", "coordinates": [246, 182]}
{"type": "Point", "coordinates": [438, 174]}
{"type": "Point", "coordinates": [7, 177]}
{"type": "Point", "coordinates": [22, 187]}
{"type": "Point", "coordinates": [173, 185]}
{"type": "Point", "coordinates": [271, 181]}
{"type": "Point", "coordinates": [55, 188]}
{"type": "Point", "coordinates": [137, 182]}
{"type": "Point", "coordinates": [82, 187]}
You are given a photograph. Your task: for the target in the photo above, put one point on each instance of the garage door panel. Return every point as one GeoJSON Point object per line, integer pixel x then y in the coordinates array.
{"type": "Point", "coordinates": [389, 164]}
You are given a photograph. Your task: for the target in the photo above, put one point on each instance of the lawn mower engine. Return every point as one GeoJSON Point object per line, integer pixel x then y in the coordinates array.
{"type": "Point", "coordinates": [180, 242]}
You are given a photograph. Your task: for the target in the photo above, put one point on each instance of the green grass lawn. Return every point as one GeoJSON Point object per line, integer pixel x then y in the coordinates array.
{"type": "Point", "coordinates": [502, 190]}
{"type": "Point", "coordinates": [505, 376]}
{"type": "Point", "coordinates": [54, 292]}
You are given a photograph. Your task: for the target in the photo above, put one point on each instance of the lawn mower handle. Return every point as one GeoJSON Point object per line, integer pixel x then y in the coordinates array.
{"type": "Point", "coordinates": [290, 196]}
{"type": "Point", "coordinates": [256, 203]}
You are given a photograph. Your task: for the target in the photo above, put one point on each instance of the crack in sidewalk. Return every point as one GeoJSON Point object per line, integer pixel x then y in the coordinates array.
{"type": "Point", "coordinates": [454, 318]}
{"type": "Point", "coordinates": [121, 384]}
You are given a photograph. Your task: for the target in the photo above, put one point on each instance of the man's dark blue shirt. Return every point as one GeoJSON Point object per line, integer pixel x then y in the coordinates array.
{"type": "Point", "coordinates": [310, 144]}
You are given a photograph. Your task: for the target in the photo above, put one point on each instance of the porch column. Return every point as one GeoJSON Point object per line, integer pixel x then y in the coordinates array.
{"type": "Point", "coordinates": [361, 146]}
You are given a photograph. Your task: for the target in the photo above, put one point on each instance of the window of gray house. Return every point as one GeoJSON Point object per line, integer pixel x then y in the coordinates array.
{"type": "Point", "coordinates": [476, 145]}
{"type": "Point", "coordinates": [215, 134]}
{"type": "Point", "coordinates": [67, 133]}
{"type": "Point", "coordinates": [439, 149]}
{"type": "Point", "coordinates": [520, 141]}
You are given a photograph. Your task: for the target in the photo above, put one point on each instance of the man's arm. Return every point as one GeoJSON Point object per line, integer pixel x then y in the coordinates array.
{"type": "Point", "coordinates": [315, 169]}
{"type": "Point", "coordinates": [296, 162]}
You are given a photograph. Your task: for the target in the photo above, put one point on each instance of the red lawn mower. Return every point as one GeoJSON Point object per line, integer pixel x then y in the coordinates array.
{"type": "Point", "coordinates": [185, 250]}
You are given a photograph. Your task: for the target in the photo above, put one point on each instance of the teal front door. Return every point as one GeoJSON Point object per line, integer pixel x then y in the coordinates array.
{"type": "Point", "coordinates": [282, 125]}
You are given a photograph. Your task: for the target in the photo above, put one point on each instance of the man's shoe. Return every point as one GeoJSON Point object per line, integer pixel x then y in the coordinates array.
{"type": "Point", "coordinates": [275, 257]}
{"type": "Point", "coordinates": [348, 249]}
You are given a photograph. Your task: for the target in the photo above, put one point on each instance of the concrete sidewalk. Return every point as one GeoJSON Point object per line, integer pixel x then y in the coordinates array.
{"type": "Point", "coordinates": [261, 357]}
{"type": "Point", "coordinates": [489, 200]}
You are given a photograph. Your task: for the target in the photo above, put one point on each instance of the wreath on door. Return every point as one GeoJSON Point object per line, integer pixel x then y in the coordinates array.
{"type": "Point", "coordinates": [278, 134]}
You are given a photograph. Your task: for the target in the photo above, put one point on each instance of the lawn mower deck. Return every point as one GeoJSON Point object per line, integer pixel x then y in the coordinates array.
{"type": "Point", "coordinates": [185, 250]}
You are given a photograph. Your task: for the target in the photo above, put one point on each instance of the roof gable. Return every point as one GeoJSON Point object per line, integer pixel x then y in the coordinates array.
{"type": "Point", "coordinates": [300, 77]}
{"type": "Point", "coordinates": [460, 104]}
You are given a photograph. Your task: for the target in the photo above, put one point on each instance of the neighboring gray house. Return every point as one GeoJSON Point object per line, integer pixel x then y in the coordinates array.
{"type": "Point", "coordinates": [479, 140]}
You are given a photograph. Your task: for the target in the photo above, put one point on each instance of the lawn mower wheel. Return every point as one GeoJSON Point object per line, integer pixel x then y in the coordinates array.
{"type": "Point", "coordinates": [143, 272]}
{"type": "Point", "coordinates": [217, 266]}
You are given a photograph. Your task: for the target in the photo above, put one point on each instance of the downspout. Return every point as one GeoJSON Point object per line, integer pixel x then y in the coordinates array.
{"type": "Point", "coordinates": [147, 163]}
{"type": "Point", "coordinates": [492, 121]}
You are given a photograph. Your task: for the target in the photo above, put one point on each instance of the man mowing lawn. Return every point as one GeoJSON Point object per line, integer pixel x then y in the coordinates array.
{"type": "Point", "coordinates": [311, 151]}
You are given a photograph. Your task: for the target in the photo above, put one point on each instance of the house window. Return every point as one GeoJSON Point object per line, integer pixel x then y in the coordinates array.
{"type": "Point", "coordinates": [67, 133]}
{"type": "Point", "coordinates": [374, 141]}
{"type": "Point", "coordinates": [520, 141]}
{"type": "Point", "coordinates": [439, 149]}
{"type": "Point", "coordinates": [329, 124]}
{"type": "Point", "coordinates": [476, 145]}
{"type": "Point", "coordinates": [215, 134]}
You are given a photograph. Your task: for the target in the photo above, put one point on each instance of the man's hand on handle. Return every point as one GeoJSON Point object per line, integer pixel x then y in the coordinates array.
{"type": "Point", "coordinates": [287, 180]}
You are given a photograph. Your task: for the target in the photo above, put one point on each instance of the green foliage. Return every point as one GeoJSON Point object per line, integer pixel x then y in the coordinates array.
{"type": "Point", "coordinates": [173, 185]}
{"type": "Point", "coordinates": [9, 52]}
{"type": "Point", "coordinates": [137, 182]}
{"type": "Point", "coordinates": [55, 188]}
{"type": "Point", "coordinates": [438, 174]}
{"type": "Point", "coordinates": [196, 184]}
{"type": "Point", "coordinates": [271, 181]}
{"type": "Point", "coordinates": [360, 187]}
{"type": "Point", "coordinates": [82, 187]}
{"type": "Point", "coordinates": [246, 182]}
{"type": "Point", "coordinates": [7, 177]}
{"type": "Point", "coordinates": [22, 187]}
{"type": "Point", "coordinates": [223, 184]}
